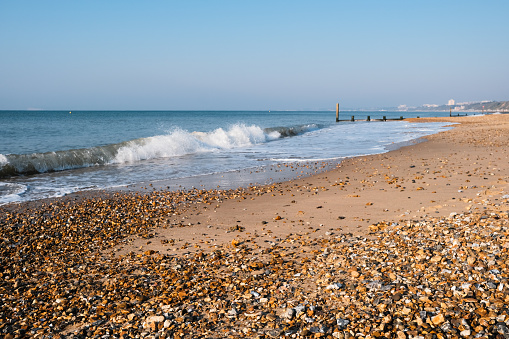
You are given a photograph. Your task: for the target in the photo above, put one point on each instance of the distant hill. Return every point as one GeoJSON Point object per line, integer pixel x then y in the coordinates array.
{"type": "Point", "coordinates": [491, 106]}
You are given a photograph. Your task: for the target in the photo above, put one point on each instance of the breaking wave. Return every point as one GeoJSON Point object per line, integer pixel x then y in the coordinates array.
{"type": "Point", "coordinates": [176, 143]}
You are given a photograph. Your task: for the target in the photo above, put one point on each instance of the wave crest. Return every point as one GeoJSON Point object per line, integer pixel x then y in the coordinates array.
{"type": "Point", "coordinates": [283, 132]}
{"type": "Point", "coordinates": [176, 143]}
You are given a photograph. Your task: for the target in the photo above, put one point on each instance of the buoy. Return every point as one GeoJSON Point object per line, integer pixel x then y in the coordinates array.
{"type": "Point", "coordinates": [70, 112]}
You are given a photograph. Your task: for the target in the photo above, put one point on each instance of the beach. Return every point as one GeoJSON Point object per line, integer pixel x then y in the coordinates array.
{"type": "Point", "coordinates": [406, 244]}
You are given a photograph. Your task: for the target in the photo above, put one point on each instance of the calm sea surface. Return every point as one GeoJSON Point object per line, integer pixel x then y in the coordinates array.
{"type": "Point", "coordinates": [53, 153]}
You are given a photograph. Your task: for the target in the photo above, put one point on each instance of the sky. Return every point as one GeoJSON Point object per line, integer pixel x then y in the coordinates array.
{"type": "Point", "coordinates": [250, 55]}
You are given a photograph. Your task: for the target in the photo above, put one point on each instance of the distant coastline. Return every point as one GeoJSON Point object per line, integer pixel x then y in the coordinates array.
{"type": "Point", "coordinates": [482, 106]}
{"type": "Point", "coordinates": [486, 106]}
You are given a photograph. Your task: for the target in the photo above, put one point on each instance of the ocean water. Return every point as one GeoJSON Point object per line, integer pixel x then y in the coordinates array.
{"type": "Point", "coordinates": [52, 153]}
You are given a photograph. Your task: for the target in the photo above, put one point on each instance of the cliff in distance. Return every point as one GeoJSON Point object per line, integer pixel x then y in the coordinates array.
{"type": "Point", "coordinates": [487, 106]}
{"type": "Point", "coordinates": [493, 106]}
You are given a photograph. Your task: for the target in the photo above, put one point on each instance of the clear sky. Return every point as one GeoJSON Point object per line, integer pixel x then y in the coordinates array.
{"type": "Point", "coordinates": [251, 55]}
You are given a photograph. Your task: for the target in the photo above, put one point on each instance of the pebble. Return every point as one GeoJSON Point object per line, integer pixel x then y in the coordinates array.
{"type": "Point", "coordinates": [289, 314]}
{"type": "Point", "coordinates": [342, 323]}
{"type": "Point", "coordinates": [411, 279]}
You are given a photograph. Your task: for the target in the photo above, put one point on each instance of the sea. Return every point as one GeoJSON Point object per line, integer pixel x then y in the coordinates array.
{"type": "Point", "coordinates": [45, 154]}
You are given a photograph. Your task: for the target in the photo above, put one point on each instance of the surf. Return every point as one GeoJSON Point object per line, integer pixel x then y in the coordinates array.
{"type": "Point", "coordinates": [176, 143]}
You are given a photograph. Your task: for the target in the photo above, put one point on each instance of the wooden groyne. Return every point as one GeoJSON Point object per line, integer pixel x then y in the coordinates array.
{"type": "Point", "coordinates": [368, 118]}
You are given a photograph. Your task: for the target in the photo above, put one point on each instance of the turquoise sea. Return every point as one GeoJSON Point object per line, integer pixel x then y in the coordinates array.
{"type": "Point", "coordinates": [53, 153]}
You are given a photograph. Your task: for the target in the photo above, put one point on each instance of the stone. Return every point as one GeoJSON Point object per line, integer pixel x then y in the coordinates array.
{"type": "Point", "coordinates": [154, 323]}
{"type": "Point", "coordinates": [334, 286]}
{"type": "Point", "coordinates": [502, 329]}
{"type": "Point", "coordinates": [289, 314]}
{"type": "Point", "coordinates": [465, 333]}
{"type": "Point", "coordinates": [342, 323]}
{"type": "Point", "coordinates": [438, 319]}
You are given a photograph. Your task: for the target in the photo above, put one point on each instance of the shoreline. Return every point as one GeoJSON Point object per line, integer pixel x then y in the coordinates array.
{"type": "Point", "coordinates": [232, 179]}
{"type": "Point", "coordinates": [61, 183]}
{"type": "Point", "coordinates": [372, 248]}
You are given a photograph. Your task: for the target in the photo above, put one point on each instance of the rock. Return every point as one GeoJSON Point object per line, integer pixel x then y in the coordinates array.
{"type": "Point", "coordinates": [465, 333]}
{"type": "Point", "coordinates": [446, 327]}
{"type": "Point", "coordinates": [318, 329]}
{"type": "Point", "coordinates": [299, 309]}
{"type": "Point", "coordinates": [154, 323]}
{"type": "Point", "coordinates": [406, 310]}
{"type": "Point", "coordinates": [342, 323]}
{"type": "Point", "coordinates": [438, 319]}
{"type": "Point", "coordinates": [289, 314]}
{"type": "Point", "coordinates": [502, 329]}
{"type": "Point", "coordinates": [232, 313]}
{"type": "Point", "coordinates": [334, 286]}
{"type": "Point", "coordinates": [275, 333]}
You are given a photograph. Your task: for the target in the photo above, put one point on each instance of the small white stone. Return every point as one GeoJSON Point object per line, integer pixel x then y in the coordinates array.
{"type": "Point", "coordinates": [465, 333]}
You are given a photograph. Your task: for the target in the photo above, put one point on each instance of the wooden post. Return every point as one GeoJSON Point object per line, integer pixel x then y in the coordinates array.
{"type": "Point", "coordinates": [353, 119]}
{"type": "Point", "coordinates": [384, 118]}
{"type": "Point", "coordinates": [450, 111]}
{"type": "Point", "coordinates": [369, 118]}
{"type": "Point", "coordinates": [401, 118]}
{"type": "Point", "coordinates": [337, 112]}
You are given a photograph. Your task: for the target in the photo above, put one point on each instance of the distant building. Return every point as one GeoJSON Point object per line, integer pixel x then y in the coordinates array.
{"type": "Point", "coordinates": [430, 105]}
{"type": "Point", "coordinates": [402, 107]}
{"type": "Point", "coordinates": [450, 102]}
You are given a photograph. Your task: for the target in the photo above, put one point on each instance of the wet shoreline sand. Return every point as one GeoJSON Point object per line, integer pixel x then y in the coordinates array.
{"type": "Point", "coordinates": [410, 243]}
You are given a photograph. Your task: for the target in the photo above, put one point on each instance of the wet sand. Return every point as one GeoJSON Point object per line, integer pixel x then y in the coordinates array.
{"type": "Point", "coordinates": [410, 243]}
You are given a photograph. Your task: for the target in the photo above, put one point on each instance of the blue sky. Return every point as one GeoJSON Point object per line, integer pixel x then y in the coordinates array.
{"type": "Point", "coordinates": [250, 55]}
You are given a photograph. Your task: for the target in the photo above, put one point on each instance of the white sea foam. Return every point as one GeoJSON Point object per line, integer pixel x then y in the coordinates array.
{"type": "Point", "coordinates": [10, 192]}
{"type": "Point", "coordinates": [3, 160]}
{"type": "Point", "coordinates": [236, 136]}
{"type": "Point", "coordinates": [179, 143]}
{"type": "Point", "coordinates": [175, 144]}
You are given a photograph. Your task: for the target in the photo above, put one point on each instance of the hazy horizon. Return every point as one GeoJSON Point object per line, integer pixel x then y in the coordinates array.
{"type": "Point", "coordinates": [228, 55]}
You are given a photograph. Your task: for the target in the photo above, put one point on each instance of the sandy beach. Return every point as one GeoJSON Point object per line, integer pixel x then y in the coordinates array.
{"type": "Point", "coordinates": [449, 173]}
{"type": "Point", "coordinates": [412, 243]}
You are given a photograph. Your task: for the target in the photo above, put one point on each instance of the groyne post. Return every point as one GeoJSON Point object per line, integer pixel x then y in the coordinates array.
{"type": "Point", "coordinates": [353, 118]}
{"type": "Point", "coordinates": [384, 118]}
{"type": "Point", "coordinates": [369, 118]}
{"type": "Point", "coordinates": [337, 112]}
